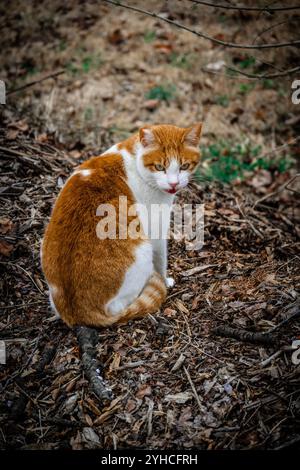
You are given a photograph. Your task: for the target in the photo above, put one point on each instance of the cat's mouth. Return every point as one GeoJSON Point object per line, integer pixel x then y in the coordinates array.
{"type": "Point", "coordinates": [171, 191]}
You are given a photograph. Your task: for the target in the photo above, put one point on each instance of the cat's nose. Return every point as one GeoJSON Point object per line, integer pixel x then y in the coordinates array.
{"type": "Point", "coordinates": [173, 185]}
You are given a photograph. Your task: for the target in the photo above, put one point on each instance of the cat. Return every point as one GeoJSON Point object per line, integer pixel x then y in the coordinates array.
{"type": "Point", "coordinates": [97, 282]}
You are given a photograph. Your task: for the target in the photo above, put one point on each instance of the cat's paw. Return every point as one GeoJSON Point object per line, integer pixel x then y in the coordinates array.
{"type": "Point", "coordinates": [170, 282]}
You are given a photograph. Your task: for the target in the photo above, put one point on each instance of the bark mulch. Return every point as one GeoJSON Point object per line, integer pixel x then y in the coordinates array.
{"type": "Point", "coordinates": [213, 370]}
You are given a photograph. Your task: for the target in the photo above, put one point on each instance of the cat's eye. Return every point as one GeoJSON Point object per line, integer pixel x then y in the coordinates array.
{"type": "Point", "coordinates": [184, 166]}
{"type": "Point", "coordinates": [159, 167]}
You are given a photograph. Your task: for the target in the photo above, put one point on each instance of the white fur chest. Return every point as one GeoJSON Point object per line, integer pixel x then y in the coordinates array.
{"type": "Point", "coordinates": [153, 206]}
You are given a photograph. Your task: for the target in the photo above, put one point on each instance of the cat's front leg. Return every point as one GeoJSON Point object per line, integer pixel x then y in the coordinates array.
{"type": "Point", "coordinates": [160, 260]}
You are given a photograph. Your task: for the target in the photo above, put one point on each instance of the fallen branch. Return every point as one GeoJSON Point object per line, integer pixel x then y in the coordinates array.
{"type": "Point", "coordinates": [19, 407]}
{"type": "Point", "coordinates": [274, 193]}
{"type": "Point", "coordinates": [295, 314]}
{"type": "Point", "coordinates": [244, 335]}
{"type": "Point", "coordinates": [27, 85]}
{"type": "Point", "coordinates": [87, 340]}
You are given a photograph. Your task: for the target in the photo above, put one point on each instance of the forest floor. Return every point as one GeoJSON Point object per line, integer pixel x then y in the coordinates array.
{"type": "Point", "coordinates": [177, 381]}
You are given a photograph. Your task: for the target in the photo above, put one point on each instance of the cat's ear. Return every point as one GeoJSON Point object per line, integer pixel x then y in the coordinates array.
{"type": "Point", "coordinates": [146, 136]}
{"type": "Point", "coordinates": [192, 135]}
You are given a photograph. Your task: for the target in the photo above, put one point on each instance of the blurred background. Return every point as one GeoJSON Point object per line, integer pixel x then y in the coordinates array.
{"type": "Point", "coordinates": [81, 76]}
{"type": "Point", "coordinates": [123, 69]}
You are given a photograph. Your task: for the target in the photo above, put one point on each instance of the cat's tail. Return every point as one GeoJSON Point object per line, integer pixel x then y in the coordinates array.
{"type": "Point", "coordinates": [149, 301]}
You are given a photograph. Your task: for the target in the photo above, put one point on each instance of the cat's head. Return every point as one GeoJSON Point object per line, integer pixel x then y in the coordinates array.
{"type": "Point", "coordinates": [169, 155]}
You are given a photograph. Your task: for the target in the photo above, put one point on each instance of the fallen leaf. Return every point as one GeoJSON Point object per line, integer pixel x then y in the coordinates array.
{"type": "Point", "coordinates": [5, 225]}
{"type": "Point", "coordinates": [197, 269]}
{"type": "Point", "coordinates": [12, 134]}
{"type": "Point", "coordinates": [5, 248]}
{"type": "Point", "coordinates": [116, 37]}
{"type": "Point", "coordinates": [164, 47]}
{"type": "Point", "coordinates": [144, 391]}
{"type": "Point", "coordinates": [169, 312]}
{"type": "Point", "coordinates": [151, 104]}
{"type": "Point", "coordinates": [181, 397]}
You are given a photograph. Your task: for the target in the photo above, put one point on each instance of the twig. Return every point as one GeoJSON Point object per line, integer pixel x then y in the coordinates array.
{"type": "Point", "coordinates": [273, 26]}
{"type": "Point", "coordinates": [20, 405]}
{"type": "Point", "coordinates": [150, 416]}
{"type": "Point", "coordinates": [25, 159]}
{"type": "Point", "coordinates": [27, 273]}
{"type": "Point", "coordinates": [280, 148]}
{"type": "Point", "coordinates": [269, 359]}
{"type": "Point", "coordinates": [203, 35]}
{"type": "Point", "coordinates": [288, 443]}
{"type": "Point", "coordinates": [273, 193]}
{"type": "Point", "coordinates": [130, 365]}
{"type": "Point", "coordinates": [27, 85]}
{"type": "Point", "coordinates": [296, 314]}
{"type": "Point", "coordinates": [193, 388]}
{"type": "Point", "coordinates": [244, 7]}
{"type": "Point", "coordinates": [264, 76]}
{"type": "Point", "coordinates": [87, 340]}
{"type": "Point", "coordinates": [244, 335]}
{"type": "Point", "coordinates": [66, 423]}
{"type": "Point", "coordinates": [255, 230]}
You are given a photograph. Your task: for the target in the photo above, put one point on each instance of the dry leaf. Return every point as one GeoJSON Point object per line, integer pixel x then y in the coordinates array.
{"type": "Point", "coordinates": [144, 391]}
{"type": "Point", "coordinates": [196, 269]}
{"type": "Point", "coordinates": [181, 397]}
{"type": "Point", "coordinates": [5, 248]}
{"type": "Point", "coordinates": [5, 225]}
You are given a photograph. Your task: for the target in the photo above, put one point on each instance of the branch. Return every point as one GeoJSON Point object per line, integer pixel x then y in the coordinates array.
{"type": "Point", "coordinates": [87, 340]}
{"type": "Point", "coordinates": [267, 338]}
{"type": "Point", "coordinates": [245, 8]}
{"type": "Point", "coordinates": [27, 85]}
{"type": "Point", "coordinates": [203, 35]}
{"type": "Point", "coordinates": [244, 335]}
{"type": "Point", "coordinates": [264, 76]}
{"type": "Point", "coordinates": [273, 26]}
{"type": "Point", "coordinates": [274, 193]}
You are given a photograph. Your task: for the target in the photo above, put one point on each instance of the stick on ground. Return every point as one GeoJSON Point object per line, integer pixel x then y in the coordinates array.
{"type": "Point", "coordinates": [244, 335]}
{"type": "Point", "coordinates": [87, 340]}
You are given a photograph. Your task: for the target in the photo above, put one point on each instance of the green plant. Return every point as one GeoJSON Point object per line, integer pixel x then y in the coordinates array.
{"type": "Point", "coordinates": [222, 18]}
{"type": "Point", "coordinates": [83, 63]}
{"type": "Point", "coordinates": [86, 64]}
{"type": "Point", "coordinates": [91, 62]}
{"type": "Point", "coordinates": [62, 46]}
{"type": "Point", "coordinates": [244, 88]}
{"type": "Point", "coordinates": [222, 100]}
{"type": "Point", "coordinates": [149, 36]}
{"type": "Point", "coordinates": [162, 93]}
{"type": "Point", "coordinates": [180, 60]}
{"type": "Point", "coordinates": [72, 68]}
{"type": "Point", "coordinates": [29, 67]}
{"type": "Point", "coordinates": [268, 83]}
{"type": "Point", "coordinates": [88, 114]}
{"type": "Point", "coordinates": [247, 62]}
{"type": "Point", "coordinates": [226, 162]}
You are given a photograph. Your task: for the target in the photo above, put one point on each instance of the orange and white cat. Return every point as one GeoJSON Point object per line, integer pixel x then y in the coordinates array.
{"type": "Point", "coordinates": [98, 282]}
